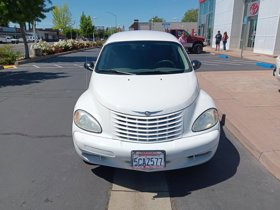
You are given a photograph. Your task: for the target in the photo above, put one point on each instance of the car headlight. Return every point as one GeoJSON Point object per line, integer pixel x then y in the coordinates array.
{"type": "Point", "coordinates": [206, 120]}
{"type": "Point", "coordinates": [86, 122]}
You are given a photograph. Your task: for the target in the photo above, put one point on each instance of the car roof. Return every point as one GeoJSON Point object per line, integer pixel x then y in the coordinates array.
{"type": "Point", "coordinates": [141, 35]}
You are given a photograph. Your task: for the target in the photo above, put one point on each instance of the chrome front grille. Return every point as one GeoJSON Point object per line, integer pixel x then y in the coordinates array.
{"type": "Point", "coordinates": [148, 129]}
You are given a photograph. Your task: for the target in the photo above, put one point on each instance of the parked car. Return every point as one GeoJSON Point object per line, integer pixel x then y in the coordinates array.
{"type": "Point", "coordinates": [9, 39]}
{"type": "Point", "coordinates": [143, 109]}
{"type": "Point", "coordinates": [31, 38]}
{"type": "Point", "coordinates": [195, 44]}
{"type": "Point", "coordinates": [14, 40]}
{"type": "Point", "coordinates": [5, 39]}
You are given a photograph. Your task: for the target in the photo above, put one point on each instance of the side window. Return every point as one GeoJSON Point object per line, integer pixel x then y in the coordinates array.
{"type": "Point", "coordinates": [179, 33]}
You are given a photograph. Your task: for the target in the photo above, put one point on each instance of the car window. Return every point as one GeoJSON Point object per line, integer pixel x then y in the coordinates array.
{"type": "Point", "coordinates": [143, 57]}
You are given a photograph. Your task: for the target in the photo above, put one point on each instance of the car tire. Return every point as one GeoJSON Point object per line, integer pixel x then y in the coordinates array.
{"type": "Point", "coordinates": [197, 48]}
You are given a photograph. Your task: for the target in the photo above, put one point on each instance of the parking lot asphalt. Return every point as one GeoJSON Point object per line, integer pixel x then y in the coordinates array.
{"type": "Point", "coordinates": [230, 177]}
{"type": "Point", "coordinates": [241, 88]}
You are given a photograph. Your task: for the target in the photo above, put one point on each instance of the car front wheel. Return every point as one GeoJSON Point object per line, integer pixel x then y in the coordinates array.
{"type": "Point", "coordinates": [197, 48]}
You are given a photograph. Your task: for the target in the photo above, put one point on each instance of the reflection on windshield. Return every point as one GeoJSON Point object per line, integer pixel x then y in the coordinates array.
{"type": "Point", "coordinates": [143, 57]}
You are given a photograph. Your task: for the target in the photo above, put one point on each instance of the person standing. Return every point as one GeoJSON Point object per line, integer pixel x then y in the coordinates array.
{"type": "Point", "coordinates": [225, 38]}
{"type": "Point", "coordinates": [183, 39]}
{"type": "Point", "coordinates": [218, 38]}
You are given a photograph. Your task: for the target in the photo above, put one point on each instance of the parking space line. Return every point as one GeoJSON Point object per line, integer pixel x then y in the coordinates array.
{"type": "Point", "coordinates": [37, 67]}
{"type": "Point", "coordinates": [231, 62]}
{"type": "Point", "coordinates": [240, 61]}
{"type": "Point", "coordinates": [78, 65]}
{"type": "Point", "coordinates": [220, 62]}
{"type": "Point", "coordinates": [210, 64]}
{"type": "Point", "coordinates": [58, 66]}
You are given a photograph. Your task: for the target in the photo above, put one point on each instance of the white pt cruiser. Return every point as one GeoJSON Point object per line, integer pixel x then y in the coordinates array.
{"type": "Point", "coordinates": [143, 109]}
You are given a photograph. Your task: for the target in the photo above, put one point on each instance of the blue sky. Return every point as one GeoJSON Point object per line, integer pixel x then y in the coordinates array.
{"type": "Point", "coordinates": [103, 12]}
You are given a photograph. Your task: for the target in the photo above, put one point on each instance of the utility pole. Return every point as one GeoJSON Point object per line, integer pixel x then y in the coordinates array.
{"type": "Point", "coordinates": [116, 18]}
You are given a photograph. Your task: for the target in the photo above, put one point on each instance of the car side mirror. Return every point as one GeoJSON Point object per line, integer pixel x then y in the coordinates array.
{"type": "Point", "coordinates": [196, 64]}
{"type": "Point", "coordinates": [89, 66]}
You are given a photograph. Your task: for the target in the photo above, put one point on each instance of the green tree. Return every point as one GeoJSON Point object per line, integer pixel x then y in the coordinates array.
{"type": "Point", "coordinates": [23, 11]}
{"type": "Point", "coordinates": [86, 26]}
{"type": "Point", "coordinates": [61, 18]}
{"type": "Point", "coordinates": [156, 19]}
{"type": "Point", "coordinates": [190, 16]}
{"type": "Point", "coordinates": [71, 33]}
{"type": "Point", "coordinates": [99, 33]}
{"type": "Point", "coordinates": [4, 24]}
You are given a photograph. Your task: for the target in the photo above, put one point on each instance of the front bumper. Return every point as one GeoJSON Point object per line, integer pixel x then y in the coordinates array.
{"type": "Point", "coordinates": [180, 153]}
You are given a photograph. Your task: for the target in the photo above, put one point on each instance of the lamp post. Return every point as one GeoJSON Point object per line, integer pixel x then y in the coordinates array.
{"type": "Point", "coordinates": [152, 23]}
{"type": "Point", "coordinates": [93, 39]}
{"type": "Point", "coordinates": [116, 18]}
{"type": "Point", "coordinates": [73, 24]}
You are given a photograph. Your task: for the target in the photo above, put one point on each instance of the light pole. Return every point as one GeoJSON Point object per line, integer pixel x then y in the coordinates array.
{"type": "Point", "coordinates": [93, 39]}
{"type": "Point", "coordinates": [116, 18]}
{"type": "Point", "coordinates": [73, 24]}
{"type": "Point", "coordinates": [152, 23]}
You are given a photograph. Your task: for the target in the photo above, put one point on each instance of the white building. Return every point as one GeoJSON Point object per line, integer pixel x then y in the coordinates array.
{"type": "Point", "coordinates": [163, 26]}
{"type": "Point", "coordinates": [251, 24]}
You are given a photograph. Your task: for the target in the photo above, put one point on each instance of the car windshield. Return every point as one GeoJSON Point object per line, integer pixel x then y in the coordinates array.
{"type": "Point", "coordinates": [143, 57]}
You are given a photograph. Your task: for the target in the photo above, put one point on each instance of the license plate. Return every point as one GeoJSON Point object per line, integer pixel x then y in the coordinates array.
{"type": "Point", "coordinates": [148, 159]}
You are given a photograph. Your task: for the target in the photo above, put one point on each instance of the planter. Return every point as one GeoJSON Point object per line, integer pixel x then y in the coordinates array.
{"type": "Point", "coordinates": [37, 52]}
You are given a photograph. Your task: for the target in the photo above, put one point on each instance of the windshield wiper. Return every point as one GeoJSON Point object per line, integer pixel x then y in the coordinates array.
{"type": "Point", "coordinates": [159, 72]}
{"type": "Point", "coordinates": [110, 71]}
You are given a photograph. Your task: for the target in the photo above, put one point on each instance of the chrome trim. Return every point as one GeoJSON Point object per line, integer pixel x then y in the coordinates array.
{"type": "Point", "coordinates": [147, 129]}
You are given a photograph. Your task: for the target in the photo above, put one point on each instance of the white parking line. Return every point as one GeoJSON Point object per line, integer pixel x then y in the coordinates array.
{"type": "Point", "coordinates": [232, 61]}
{"type": "Point", "coordinates": [245, 62]}
{"type": "Point", "coordinates": [222, 62]}
{"type": "Point", "coordinates": [210, 64]}
{"type": "Point", "coordinates": [37, 67]}
{"type": "Point", "coordinates": [58, 66]}
{"type": "Point", "coordinates": [78, 65]}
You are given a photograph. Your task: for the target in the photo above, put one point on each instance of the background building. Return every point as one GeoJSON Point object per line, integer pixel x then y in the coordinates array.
{"type": "Point", "coordinates": [10, 31]}
{"type": "Point", "coordinates": [163, 26]}
{"type": "Point", "coordinates": [251, 24]}
{"type": "Point", "coordinates": [206, 19]}
{"type": "Point", "coordinates": [44, 34]}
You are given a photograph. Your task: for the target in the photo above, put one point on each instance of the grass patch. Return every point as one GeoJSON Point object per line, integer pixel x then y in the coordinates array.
{"type": "Point", "coordinates": [8, 55]}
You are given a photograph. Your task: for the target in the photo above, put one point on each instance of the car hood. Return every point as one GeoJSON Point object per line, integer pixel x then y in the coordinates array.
{"type": "Point", "coordinates": [136, 94]}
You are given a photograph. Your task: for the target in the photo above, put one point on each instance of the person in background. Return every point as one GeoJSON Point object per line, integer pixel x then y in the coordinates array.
{"type": "Point", "coordinates": [218, 38]}
{"type": "Point", "coordinates": [225, 38]}
{"type": "Point", "coordinates": [183, 39]}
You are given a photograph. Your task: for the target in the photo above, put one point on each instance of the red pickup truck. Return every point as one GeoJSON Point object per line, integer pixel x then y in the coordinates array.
{"type": "Point", "coordinates": [195, 44]}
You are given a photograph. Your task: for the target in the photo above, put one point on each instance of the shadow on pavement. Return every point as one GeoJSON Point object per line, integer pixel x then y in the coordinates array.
{"type": "Point", "coordinates": [68, 59]}
{"type": "Point", "coordinates": [19, 78]}
{"type": "Point", "coordinates": [203, 52]}
{"type": "Point", "coordinates": [181, 182]}
{"type": "Point", "coordinates": [222, 167]}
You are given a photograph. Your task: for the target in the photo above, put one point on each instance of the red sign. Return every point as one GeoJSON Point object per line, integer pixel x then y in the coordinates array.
{"type": "Point", "coordinates": [253, 9]}
{"type": "Point", "coordinates": [201, 1]}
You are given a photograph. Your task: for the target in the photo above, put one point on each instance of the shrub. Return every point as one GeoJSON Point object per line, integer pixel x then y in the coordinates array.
{"type": "Point", "coordinates": [8, 56]}
{"type": "Point", "coordinates": [64, 45]}
{"type": "Point", "coordinates": [44, 46]}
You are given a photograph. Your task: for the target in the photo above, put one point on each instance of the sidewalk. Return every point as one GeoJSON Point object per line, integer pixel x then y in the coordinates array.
{"type": "Point", "coordinates": [250, 102]}
{"type": "Point", "coordinates": [246, 54]}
